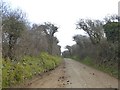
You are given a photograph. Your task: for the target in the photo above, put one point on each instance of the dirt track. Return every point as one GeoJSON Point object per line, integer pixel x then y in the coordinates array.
{"type": "Point", "coordinates": [72, 74]}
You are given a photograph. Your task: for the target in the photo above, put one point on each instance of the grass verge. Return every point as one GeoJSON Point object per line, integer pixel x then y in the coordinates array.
{"type": "Point", "coordinates": [107, 69]}
{"type": "Point", "coordinates": [14, 73]}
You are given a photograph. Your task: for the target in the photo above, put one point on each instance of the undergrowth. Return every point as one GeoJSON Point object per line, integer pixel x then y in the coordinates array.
{"type": "Point", "coordinates": [17, 72]}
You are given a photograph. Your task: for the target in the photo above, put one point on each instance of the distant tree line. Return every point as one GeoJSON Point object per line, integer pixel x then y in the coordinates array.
{"type": "Point", "coordinates": [101, 43]}
{"type": "Point", "coordinates": [19, 38]}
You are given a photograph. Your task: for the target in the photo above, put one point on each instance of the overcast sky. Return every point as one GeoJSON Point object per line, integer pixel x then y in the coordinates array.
{"type": "Point", "coordinates": [65, 14]}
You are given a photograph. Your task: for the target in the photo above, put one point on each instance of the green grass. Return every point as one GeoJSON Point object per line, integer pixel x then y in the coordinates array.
{"type": "Point", "coordinates": [14, 73]}
{"type": "Point", "coordinates": [75, 58]}
{"type": "Point", "coordinates": [107, 69]}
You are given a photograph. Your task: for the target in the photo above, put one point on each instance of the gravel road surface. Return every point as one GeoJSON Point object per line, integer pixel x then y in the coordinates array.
{"type": "Point", "coordinates": [72, 74]}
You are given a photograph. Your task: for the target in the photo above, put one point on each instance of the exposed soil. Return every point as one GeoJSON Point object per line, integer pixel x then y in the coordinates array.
{"type": "Point", "coordinates": [72, 74]}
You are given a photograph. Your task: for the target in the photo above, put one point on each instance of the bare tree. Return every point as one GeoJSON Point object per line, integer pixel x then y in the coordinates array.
{"type": "Point", "coordinates": [13, 24]}
{"type": "Point", "coordinates": [69, 49]}
{"type": "Point", "coordinates": [94, 28]}
{"type": "Point", "coordinates": [49, 29]}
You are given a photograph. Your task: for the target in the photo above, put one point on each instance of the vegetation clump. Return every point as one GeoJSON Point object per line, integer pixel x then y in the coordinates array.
{"type": "Point", "coordinates": [19, 71]}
